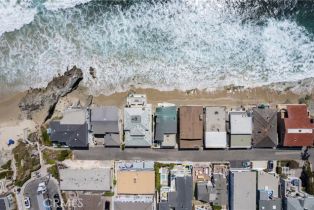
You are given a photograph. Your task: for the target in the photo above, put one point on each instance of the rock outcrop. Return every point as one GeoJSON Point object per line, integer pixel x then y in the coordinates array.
{"type": "Point", "coordinates": [45, 99]}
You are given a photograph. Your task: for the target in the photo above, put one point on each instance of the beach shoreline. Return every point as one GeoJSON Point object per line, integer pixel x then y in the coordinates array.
{"type": "Point", "coordinates": [230, 97]}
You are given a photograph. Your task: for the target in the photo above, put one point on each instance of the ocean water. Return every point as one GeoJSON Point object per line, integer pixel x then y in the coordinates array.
{"type": "Point", "coordinates": [163, 44]}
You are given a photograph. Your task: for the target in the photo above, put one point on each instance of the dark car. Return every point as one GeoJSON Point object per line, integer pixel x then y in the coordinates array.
{"type": "Point", "coordinates": [57, 200]}
{"type": "Point", "coordinates": [107, 205]}
{"type": "Point", "coordinates": [270, 165]}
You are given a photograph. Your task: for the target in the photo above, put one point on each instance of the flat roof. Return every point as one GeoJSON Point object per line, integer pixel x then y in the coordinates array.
{"type": "Point", "coordinates": [243, 190]}
{"type": "Point", "coordinates": [136, 182]}
{"type": "Point", "coordinates": [215, 119]}
{"type": "Point", "coordinates": [240, 141]}
{"type": "Point", "coordinates": [90, 202]}
{"type": "Point", "coordinates": [215, 139]}
{"type": "Point", "coordinates": [74, 117]}
{"type": "Point", "coordinates": [133, 202]}
{"type": "Point", "coordinates": [240, 122]}
{"type": "Point", "coordinates": [104, 113]}
{"type": "Point", "coordinates": [96, 179]}
{"type": "Point", "coordinates": [267, 181]}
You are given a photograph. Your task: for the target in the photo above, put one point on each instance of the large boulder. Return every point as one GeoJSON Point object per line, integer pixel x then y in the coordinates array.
{"type": "Point", "coordinates": [44, 100]}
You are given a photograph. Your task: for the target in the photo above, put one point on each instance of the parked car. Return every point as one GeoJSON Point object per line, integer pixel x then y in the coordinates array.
{"type": "Point", "coordinates": [42, 188]}
{"type": "Point", "coordinates": [270, 165]}
{"type": "Point", "coordinates": [27, 203]}
{"type": "Point", "coordinates": [57, 200]}
{"type": "Point", "coordinates": [107, 205]}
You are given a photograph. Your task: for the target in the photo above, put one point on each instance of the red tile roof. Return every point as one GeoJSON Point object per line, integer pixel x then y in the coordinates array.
{"type": "Point", "coordinates": [298, 127]}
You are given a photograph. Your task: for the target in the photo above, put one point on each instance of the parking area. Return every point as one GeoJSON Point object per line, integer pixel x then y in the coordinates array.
{"type": "Point", "coordinates": [31, 191]}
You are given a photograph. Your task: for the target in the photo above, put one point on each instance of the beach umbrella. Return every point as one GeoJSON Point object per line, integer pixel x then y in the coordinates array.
{"type": "Point", "coordinates": [10, 141]}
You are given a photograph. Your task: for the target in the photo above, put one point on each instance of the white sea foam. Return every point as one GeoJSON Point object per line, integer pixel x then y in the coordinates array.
{"type": "Point", "coordinates": [14, 14]}
{"type": "Point", "coordinates": [54, 5]}
{"type": "Point", "coordinates": [170, 45]}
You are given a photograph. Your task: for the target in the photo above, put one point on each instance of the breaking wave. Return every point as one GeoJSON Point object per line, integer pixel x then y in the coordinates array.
{"type": "Point", "coordinates": [175, 44]}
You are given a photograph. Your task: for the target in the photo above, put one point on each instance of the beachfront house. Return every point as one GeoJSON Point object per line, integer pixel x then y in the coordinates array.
{"type": "Point", "coordinates": [265, 128]}
{"type": "Point", "coordinates": [137, 122]}
{"type": "Point", "coordinates": [215, 127]}
{"type": "Point", "coordinates": [295, 127]}
{"type": "Point", "coordinates": [71, 131]}
{"type": "Point", "coordinates": [191, 127]}
{"type": "Point", "coordinates": [240, 129]}
{"type": "Point", "coordinates": [166, 125]}
{"type": "Point", "coordinates": [105, 125]}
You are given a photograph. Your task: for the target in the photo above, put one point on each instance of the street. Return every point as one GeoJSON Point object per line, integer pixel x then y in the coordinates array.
{"type": "Point", "coordinates": [101, 153]}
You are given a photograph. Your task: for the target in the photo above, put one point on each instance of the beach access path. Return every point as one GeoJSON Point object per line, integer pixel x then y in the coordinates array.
{"type": "Point", "coordinates": [101, 153]}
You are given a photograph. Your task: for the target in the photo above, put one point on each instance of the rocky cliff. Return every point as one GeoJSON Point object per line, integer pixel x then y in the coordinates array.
{"type": "Point", "coordinates": [45, 99]}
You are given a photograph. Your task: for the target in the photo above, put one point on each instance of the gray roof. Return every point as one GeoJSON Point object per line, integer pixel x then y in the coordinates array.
{"type": "Point", "coordinates": [184, 191]}
{"type": "Point", "coordinates": [202, 191]}
{"type": "Point", "coordinates": [220, 184]}
{"type": "Point", "coordinates": [95, 179]}
{"type": "Point", "coordinates": [265, 127]}
{"type": "Point", "coordinates": [299, 203]}
{"type": "Point", "coordinates": [74, 116]}
{"type": "Point", "coordinates": [166, 122]}
{"type": "Point", "coordinates": [181, 199]}
{"type": "Point", "coordinates": [2, 204]}
{"type": "Point", "coordinates": [75, 136]}
{"type": "Point", "coordinates": [137, 127]}
{"type": "Point", "coordinates": [112, 140]}
{"type": "Point", "coordinates": [163, 206]}
{"type": "Point", "coordinates": [240, 141]}
{"type": "Point", "coordinates": [242, 190]}
{"type": "Point", "coordinates": [105, 120]}
{"type": "Point", "coordinates": [267, 181]}
{"type": "Point", "coordinates": [269, 204]}
{"type": "Point", "coordinates": [90, 202]}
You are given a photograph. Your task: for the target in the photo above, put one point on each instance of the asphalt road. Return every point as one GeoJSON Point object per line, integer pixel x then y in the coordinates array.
{"type": "Point", "coordinates": [101, 153]}
{"type": "Point", "coordinates": [31, 191]}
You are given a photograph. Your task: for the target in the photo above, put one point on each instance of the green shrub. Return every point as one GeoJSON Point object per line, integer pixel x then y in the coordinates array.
{"type": "Point", "coordinates": [109, 194]}
{"type": "Point", "coordinates": [217, 207]}
{"type": "Point", "coordinates": [6, 174]}
{"type": "Point", "coordinates": [45, 137]}
{"type": "Point", "coordinates": [64, 154]}
{"type": "Point", "coordinates": [7, 165]}
{"type": "Point", "coordinates": [53, 170]}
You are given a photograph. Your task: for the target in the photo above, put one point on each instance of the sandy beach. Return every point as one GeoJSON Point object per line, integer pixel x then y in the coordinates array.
{"type": "Point", "coordinates": [10, 113]}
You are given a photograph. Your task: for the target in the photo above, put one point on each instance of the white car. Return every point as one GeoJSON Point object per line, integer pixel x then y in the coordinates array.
{"type": "Point", "coordinates": [27, 203]}
{"type": "Point", "coordinates": [41, 188]}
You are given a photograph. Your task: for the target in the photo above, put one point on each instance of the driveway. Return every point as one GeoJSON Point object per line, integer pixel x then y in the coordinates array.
{"type": "Point", "coordinates": [30, 191]}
